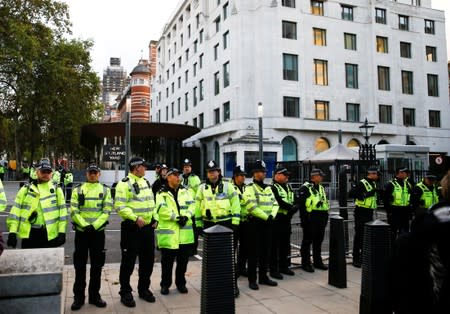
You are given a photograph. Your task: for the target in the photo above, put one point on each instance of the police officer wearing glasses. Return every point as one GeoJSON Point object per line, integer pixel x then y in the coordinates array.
{"type": "Point", "coordinates": [135, 204]}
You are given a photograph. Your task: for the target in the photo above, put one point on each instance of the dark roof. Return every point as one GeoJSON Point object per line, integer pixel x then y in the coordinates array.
{"type": "Point", "coordinates": [140, 68]}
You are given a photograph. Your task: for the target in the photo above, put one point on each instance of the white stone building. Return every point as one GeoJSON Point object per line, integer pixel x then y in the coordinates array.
{"type": "Point", "coordinates": [316, 66]}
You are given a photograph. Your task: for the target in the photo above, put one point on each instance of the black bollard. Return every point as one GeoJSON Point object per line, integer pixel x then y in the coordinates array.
{"type": "Point", "coordinates": [337, 268]}
{"type": "Point", "coordinates": [217, 294]}
{"type": "Point", "coordinates": [374, 297]}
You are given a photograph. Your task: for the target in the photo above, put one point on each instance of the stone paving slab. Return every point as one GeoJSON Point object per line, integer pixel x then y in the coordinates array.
{"type": "Point", "coordinates": [303, 293]}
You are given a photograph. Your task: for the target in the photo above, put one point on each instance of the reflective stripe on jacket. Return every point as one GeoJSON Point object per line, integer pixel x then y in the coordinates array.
{"type": "Point", "coordinates": [400, 194]}
{"type": "Point", "coordinates": [52, 203]}
{"type": "Point", "coordinates": [317, 200]}
{"type": "Point", "coordinates": [242, 201]}
{"type": "Point", "coordinates": [368, 202]}
{"type": "Point", "coordinates": [286, 196]}
{"type": "Point", "coordinates": [260, 202]}
{"type": "Point", "coordinates": [429, 197]}
{"type": "Point", "coordinates": [2, 197]}
{"type": "Point", "coordinates": [96, 208]}
{"type": "Point", "coordinates": [192, 182]}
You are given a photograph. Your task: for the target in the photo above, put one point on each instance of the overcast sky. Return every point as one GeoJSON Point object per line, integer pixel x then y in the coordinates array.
{"type": "Point", "coordinates": [124, 28]}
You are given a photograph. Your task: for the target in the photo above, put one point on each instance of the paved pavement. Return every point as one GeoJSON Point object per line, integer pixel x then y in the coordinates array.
{"type": "Point", "coordinates": [303, 293]}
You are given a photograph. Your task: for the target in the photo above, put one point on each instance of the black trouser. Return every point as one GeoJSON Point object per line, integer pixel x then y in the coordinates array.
{"type": "Point", "coordinates": [167, 259]}
{"type": "Point", "coordinates": [281, 243]}
{"type": "Point", "coordinates": [313, 233]}
{"type": "Point", "coordinates": [136, 242]}
{"type": "Point", "coordinates": [38, 239]}
{"type": "Point", "coordinates": [92, 243]}
{"type": "Point", "coordinates": [362, 216]}
{"type": "Point", "coordinates": [398, 219]}
{"type": "Point", "coordinates": [243, 246]}
{"type": "Point", "coordinates": [259, 235]}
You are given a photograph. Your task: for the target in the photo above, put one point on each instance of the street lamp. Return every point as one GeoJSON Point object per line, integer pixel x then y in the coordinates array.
{"type": "Point", "coordinates": [366, 151]}
{"type": "Point", "coordinates": [260, 129]}
{"type": "Point", "coordinates": [127, 133]}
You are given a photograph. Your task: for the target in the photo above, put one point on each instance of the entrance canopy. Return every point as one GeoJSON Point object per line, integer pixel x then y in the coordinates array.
{"type": "Point", "coordinates": [337, 152]}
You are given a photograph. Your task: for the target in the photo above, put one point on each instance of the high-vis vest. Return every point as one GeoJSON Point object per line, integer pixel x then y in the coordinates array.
{"type": "Point", "coordinates": [286, 196]}
{"type": "Point", "coordinates": [222, 203]}
{"type": "Point", "coordinates": [2, 197]}
{"type": "Point", "coordinates": [400, 194]}
{"type": "Point", "coordinates": [68, 178]}
{"type": "Point", "coordinates": [429, 197]}
{"type": "Point", "coordinates": [242, 201]}
{"type": "Point", "coordinates": [51, 200]}
{"type": "Point", "coordinates": [260, 202]}
{"type": "Point", "coordinates": [192, 182]}
{"type": "Point", "coordinates": [26, 170]}
{"type": "Point", "coordinates": [56, 177]}
{"type": "Point", "coordinates": [368, 202]}
{"type": "Point", "coordinates": [315, 197]}
{"type": "Point", "coordinates": [33, 174]}
{"type": "Point", "coordinates": [96, 208]}
{"type": "Point", "coordinates": [134, 198]}
{"type": "Point", "coordinates": [169, 234]}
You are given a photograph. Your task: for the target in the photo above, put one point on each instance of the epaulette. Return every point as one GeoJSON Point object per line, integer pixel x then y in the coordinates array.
{"type": "Point", "coordinates": [125, 179]}
{"type": "Point", "coordinates": [106, 185]}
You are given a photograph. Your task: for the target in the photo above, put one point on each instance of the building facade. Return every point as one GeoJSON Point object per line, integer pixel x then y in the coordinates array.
{"type": "Point", "coordinates": [113, 83]}
{"type": "Point", "coordinates": [315, 66]}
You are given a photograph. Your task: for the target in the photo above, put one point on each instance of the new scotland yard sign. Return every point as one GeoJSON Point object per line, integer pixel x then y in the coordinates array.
{"type": "Point", "coordinates": [114, 153]}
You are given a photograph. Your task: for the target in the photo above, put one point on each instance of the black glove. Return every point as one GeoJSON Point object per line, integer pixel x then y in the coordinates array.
{"type": "Point", "coordinates": [182, 220]}
{"type": "Point", "coordinates": [269, 218]}
{"type": "Point", "coordinates": [61, 239]}
{"type": "Point", "coordinates": [208, 214]}
{"type": "Point", "coordinates": [89, 228]}
{"type": "Point", "coordinates": [32, 217]}
{"type": "Point", "coordinates": [12, 240]}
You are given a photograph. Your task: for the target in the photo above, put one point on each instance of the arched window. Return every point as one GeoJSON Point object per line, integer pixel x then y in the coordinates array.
{"type": "Point", "coordinates": [321, 145]}
{"type": "Point", "coordinates": [353, 143]}
{"type": "Point", "coordinates": [217, 153]}
{"type": "Point", "coordinates": [289, 148]}
{"type": "Point", "coordinates": [383, 142]}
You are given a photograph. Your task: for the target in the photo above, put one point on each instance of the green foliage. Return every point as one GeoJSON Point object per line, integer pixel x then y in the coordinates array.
{"type": "Point", "coordinates": [47, 87]}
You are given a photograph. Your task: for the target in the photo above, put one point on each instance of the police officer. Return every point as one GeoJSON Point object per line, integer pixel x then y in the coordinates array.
{"type": "Point", "coordinates": [189, 179]}
{"type": "Point", "coordinates": [2, 170]}
{"type": "Point", "coordinates": [39, 213]}
{"type": "Point", "coordinates": [2, 197]}
{"type": "Point", "coordinates": [365, 194]}
{"type": "Point", "coordinates": [68, 184]}
{"type": "Point", "coordinates": [313, 205]}
{"type": "Point", "coordinates": [397, 194]}
{"type": "Point", "coordinates": [281, 240]}
{"type": "Point", "coordinates": [262, 208]}
{"type": "Point", "coordinates": [135, 204]}
{"type": "Point", "coordinates": [33, 173]}
{"type": "Point", "coordinates": [238, 181]}
{"type": "Point", "coordinates": [90, 207]}
{"type": "Point", "coordinates": [425, 194]}
{"type": "Point", "coordinates": [161, 179]}
{"type": "Point", "coordinates": [175, 208]}
{"type": "Point", "coordinates": [26, 171]}
{"type": "Point", "coordinates": [217, 203]}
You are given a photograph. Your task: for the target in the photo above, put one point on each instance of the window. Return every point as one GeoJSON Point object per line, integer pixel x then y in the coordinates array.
{"type": "Point", "coordinates": [173, 68]}
{"type": "Point", "coordinates": [189, 31]}
{"type": "Point", "coordinates": [194, 95]}
{"type": "Point", "coordinates": [380, 16]}
{"type": "Point", "coordinates": [290, 67]}
{"type": "Point", "coordinates": [225, 11]}
{"type": "Point", "coordinates": [179, 62]}
{"type": "Point", "coordinates": [350, 41]}
{"type": "Point", "coordinates": [407, 82]}
{"type": "Point", "coordinates": [289, 30]}
{"type": "Point", "coordinates": [226, 39]}
{"type": "Point", "coordinates": [186, 102]}
{"type": "Point", "coordinates": [384, 81]}
{"type": "Point", "coordinates": [194, 69]}
{"type": "Point", "coordinates": [382, 44]}
{"type": "Point", "coordinates": [200, 61]}
{"type": "Point", "coordinates": [289, 149]}
{"type": "Point", "coordinates": [186, 76]}
{"type": "Point", "coordinates": [403, 22]}
{"type": "Point", "coordinates": [317, 7]}
{"type": "Point", "coordinates": [194, 122]}
{"type": "Point", "coordinates": [174, 47]}
{"type": "Point", "coordinates": [433, 88]}
{"type": "Point", "coordinates": [320, 72]}
{"type": "Point", "coordinates": [226, 111]}
{"type": "Point", "coordinates": [291, 107]}
{"type": "Point", "coordinates": [179, 82]}
{"type": "Point", "coordinates": [351, 75]}
{"type": "Point", "coordinates": [169, 54]}
{"type": "Point", "coordinates": [172, 110]}
{"type": "Point", "coordinates": [217, 23]}
{"type": "Point", "coordinates": [200, 87]}
{"type": "Point", "coordinates": [435, 118]}
{"type": "Point", "coordinates": [181, 40]}
{"type": "Point", "coordinates": [288, 3]}
{"type": "Point", "coordinates": [201, 121]}
{"type": "Point", "coordinates": [187, 54]}
{"type": "Point", "coordinates": [216, 50]}
{"type": "Point", "coordinates": [431, 53]}
{"type": "Point", "coordinates": [173, 87]}
{"type": "Point", "coordinates": [167, 92]}
{"type": "Point", "coordinates": [216, 83]}
{"type": "Point", "coordinates": [347, 12]}
{"type": "Point", "coordinates": [429, 27]}
{"type": "Point", "coordinates": [322, 110]}
{"type": "Point", "coordinates": [352, 112]}
{"type": "Point", "coordinates": [385, 114]}
{"type": "Point", "coordinates": [320, 36]}
{"type": "Point", "coordinates": [197, 20]}
{"type": "Point", "coordinates": [217, 116]}
{"type": "Point", "coordinates": [167, 74]}
{"type": "Point", "coordinates": [405, 49]}
{"type": "Point", "coordinates": [226, 74]}
{"type": "Point", "coordinates": [179, 105]}
{"type": "Point", "coordinates": [195, 46]}
{"type": "Point", "coordinates": [409, 117]}
{"type": "Point", "coordinates": [167, 113]}
{"type": "Point", "coordinates": [200, 35]}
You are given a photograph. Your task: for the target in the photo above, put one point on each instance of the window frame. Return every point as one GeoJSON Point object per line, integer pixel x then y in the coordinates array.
{"type": "Point", "coordinates": [326, 110]}
{"type": "Point", "coordinates": [385, 114]}
{"type": "Point", "coordinates": [290, 74]}
{"type": "Point", "coordinates": [286, 33]}
{"type": "Point", "coordinates": [321, 71]}
{"type": "Point", "coordinates": [291, 106]}
{"type": "Point", "coordinates": [319, 36]}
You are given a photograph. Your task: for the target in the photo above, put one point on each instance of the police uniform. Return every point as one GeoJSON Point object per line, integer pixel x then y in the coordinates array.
{"type": "Point", "coordinates": [39, 215]}
{"type": "Point", "coordinates": [190, 180]}
{"type": "Point", "coordinates": [365, 194]}
{"type": "Point", "coordinates": [2, 197]}
{"type": "Point", "coordinates": [134, 199]}
{"type": "Point", "coordinates": [160, 181]}
{"type": "Point", "coordinates": [424, 195]}
{"type": "Point", "coordinates": [281, 244]}
{"type": "Point", "coordinates": [313, 205]}
{"type": "Point", "coordinates": [68, 184]}
{"type": "Point", "coordinates": [90, 208]}
{"type": "Point", "coordinates": [262, 208]}
{"type": "Point", "coordinates": [175, 235]}
{"type": "Point", "coordinates": [243, 224]}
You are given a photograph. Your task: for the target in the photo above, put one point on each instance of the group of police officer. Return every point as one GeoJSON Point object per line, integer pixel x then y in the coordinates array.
{"type": "Point", "coordinates": [177, 212]}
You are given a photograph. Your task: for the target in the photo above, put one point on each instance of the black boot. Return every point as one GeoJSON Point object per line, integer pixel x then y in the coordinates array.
{"type": "Point", "coordinates": [78, 302]}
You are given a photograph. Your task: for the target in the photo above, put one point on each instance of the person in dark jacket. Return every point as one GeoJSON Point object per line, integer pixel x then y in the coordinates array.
{"type": "Point", "coordinates": [161, 179]}
{"type": "Point", "coordinates": [424, 194]}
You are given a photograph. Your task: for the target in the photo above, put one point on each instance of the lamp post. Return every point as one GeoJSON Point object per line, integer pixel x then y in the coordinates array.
{"type": "Point", "coordinates": [366, 151]}
{"type": "Point", "coordinates": [260, 129]}
{"type": "Point", "coordinates": [127, 134]}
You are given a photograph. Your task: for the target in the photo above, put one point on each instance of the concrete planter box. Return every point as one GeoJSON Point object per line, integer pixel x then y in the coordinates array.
{"type": "Point", "coordinates": [31, 281]}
